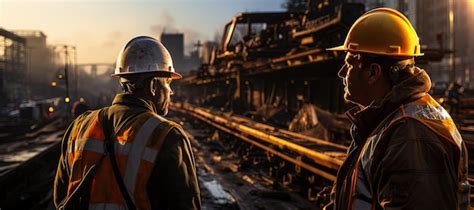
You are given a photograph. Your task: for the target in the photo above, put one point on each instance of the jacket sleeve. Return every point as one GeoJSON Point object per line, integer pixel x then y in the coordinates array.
{"type": "Point", "coordinates": [173, 183]}
{"type": "Point", "coordinates": [417, 170]}
{"type": "Point", "coordinates": [61, 180]}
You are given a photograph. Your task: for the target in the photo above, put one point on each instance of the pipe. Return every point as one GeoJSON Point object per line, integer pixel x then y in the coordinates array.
{"type": "Point", "coordinates": [300, 163]}
{"type": "Point", "coordinates": [317, 157]}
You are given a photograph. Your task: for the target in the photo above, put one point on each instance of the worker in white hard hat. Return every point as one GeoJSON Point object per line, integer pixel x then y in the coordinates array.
{"type": "Point", "coordinates": [128, 156]}
{"type": "Point", "coordinates": [406, 152]}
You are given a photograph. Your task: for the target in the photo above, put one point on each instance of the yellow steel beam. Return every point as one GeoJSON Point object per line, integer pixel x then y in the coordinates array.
{"type": "Point", "coordinates": [291, 134]}
{"type": "Point", "coordinates": [317, 157]}
{"type": "Point", "coordinates": [297, 162]}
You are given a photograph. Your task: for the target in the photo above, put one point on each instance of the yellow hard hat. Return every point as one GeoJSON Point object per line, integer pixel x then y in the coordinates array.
{"type": "Point", "coordinates": [382, 31]}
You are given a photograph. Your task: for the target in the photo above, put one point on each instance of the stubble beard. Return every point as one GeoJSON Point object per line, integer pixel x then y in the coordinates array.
{"type": "Point", "coordinates": [163, 110]}
{"type": "Point", "coordinates": [348, 97]}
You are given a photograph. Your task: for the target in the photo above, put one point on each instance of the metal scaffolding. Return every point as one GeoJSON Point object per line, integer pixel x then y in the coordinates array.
{"type": "Point", "coordinates": [12, 67]}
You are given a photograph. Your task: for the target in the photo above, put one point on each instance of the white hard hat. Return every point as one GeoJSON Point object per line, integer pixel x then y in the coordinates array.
{"type": "Point", "coordinates": [145, 54]}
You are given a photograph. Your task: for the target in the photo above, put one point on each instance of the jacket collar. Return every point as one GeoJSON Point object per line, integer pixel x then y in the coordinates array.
{"type": "Point", "coordinates": [366, 119]}
{"type": "Point", "coordinates": [131, 100]}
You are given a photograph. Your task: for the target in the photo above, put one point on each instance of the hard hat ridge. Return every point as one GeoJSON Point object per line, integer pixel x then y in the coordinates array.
{"type": "Point", "coordinates": [382, 31]}
{"type": "Point", "coordinates": [144, 54]}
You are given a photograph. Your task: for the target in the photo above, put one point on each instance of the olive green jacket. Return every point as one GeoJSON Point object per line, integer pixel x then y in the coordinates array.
{"type": "Point", "coordinates": [411, 167]}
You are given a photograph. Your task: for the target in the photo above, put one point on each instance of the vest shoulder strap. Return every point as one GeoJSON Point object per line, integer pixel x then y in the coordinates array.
{"type": "Point", "coordinates": [161, 132]}
{"type": "Point", "coordinates": [429, 113]}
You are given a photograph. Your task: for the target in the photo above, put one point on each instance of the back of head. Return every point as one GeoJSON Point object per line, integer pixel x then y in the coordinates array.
{"type": "Point", "coordinates": [395, 69]}
{"type": "Point", "coordinates": [142, 59]}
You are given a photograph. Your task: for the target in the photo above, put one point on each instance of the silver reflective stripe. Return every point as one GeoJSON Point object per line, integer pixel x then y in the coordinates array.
{"type": "Point", "coordinates": [431, 112]}
{"type": "Point", "coordinates": [136, 152]}
{"type": "Point", "coordinates": [106, 206]}
{"type": "Point", "coordinates": [362, 188]}
{"type": "Point", "coordinates": [361, 205]}
{"type": "Point", "coordinates": [427, 111]}
{"type": "Point", "coordinates": [457, 137]}
{"type": "Point", "coordinates": [149, 155]}
{"type": "Point", "coordinates": [122, 149]}
{"type": "Point", "coordinates": [94, 145]}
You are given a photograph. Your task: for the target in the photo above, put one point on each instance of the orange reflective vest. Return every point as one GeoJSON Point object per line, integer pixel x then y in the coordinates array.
{"type": "Point", "coordinates": [136, 148]}
{"type": "Point", "coordinates": [428, 112]}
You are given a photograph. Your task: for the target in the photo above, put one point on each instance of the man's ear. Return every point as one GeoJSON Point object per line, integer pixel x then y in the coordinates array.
{"type": "Point", "coordinates": [375, 73]}
{"type": "Point", "coordinates": [153, 86]}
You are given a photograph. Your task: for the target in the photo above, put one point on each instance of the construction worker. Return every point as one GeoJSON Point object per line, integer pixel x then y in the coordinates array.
{"type": "Point", "coordinates": [453, 96]}
{"type": "Point", "coordinates": [127, 156]}
{"type": "Point", "coordinates": [406, 152]}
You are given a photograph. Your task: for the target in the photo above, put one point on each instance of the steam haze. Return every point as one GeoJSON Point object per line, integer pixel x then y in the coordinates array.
{"type": "Point", "coordinates": [100, 28]}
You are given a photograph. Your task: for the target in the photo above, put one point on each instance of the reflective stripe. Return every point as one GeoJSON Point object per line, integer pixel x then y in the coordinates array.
{"type": "Point", "coordinates": [360, 204]}
{"type": "Point", "coordinates": [122, 149]}
{"type": "Point", "coordinates": [94, 145]}
{"type": "Point", "coordinates": [106, 206]}
{"type": "Point", "coordinates": [431, 112]}
{"type": "Point", "coordinates": [149, 155]}
{"type": "Point", "coordinates": [137, 151]}
{"type": "Point", "coordinates": [427, 112]}
{"type": "Point", "coordinates": [457, 136]}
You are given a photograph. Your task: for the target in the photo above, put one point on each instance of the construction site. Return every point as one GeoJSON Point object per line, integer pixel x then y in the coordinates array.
{"type": "Point", "coordinates": [262, 105]}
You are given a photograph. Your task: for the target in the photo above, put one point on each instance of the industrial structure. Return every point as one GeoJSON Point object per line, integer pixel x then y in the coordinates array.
{"type": "Point", "coordinates": [175, 44]}
{"type": "Point", "coordinates": [40, 63]}
{"type": "Point", "coordinates": [271, 83]}
{"type": "Point", "coordinates": [263, 106]}
{"type": "Point", "coordinates": [13, 63]}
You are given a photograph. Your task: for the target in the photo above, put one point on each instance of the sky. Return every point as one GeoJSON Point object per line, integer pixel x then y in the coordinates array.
{"type": "Point", "coordinates": [100, 28]}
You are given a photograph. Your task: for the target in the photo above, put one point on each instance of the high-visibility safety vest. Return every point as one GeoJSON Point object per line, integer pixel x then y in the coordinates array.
{"type": "Point", "coordinates": [136, 148]}
{"type": "Point", "coordinates": [428, 112]}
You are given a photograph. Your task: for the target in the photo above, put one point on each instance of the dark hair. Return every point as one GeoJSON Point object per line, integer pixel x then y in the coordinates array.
{"type": "Point", "coordinates": [394, 69]}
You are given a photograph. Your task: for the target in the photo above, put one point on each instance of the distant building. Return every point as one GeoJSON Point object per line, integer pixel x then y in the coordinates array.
{"type": "Point", "coordinates": [12, 68]}
{"type": "Point", "coordinates": [434, 28]}
{"type": "Point", "coordinates": [41, 65]}
{"type": "Point", "coordinates": [407, 7]}
{"type": "Point", "coordinates": [174, 42]}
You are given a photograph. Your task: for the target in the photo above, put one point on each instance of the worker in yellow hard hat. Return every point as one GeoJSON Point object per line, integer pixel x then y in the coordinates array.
{"type": "Point", "coordinates": [406, 152]}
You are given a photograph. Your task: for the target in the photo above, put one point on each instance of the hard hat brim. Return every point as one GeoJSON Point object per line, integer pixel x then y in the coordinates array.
{"type": "Point", "coordinates": [166, 74]}
{"type": "Point", "coordinates": [338, 48]}
{"type": "Point", "coordinates": [342, 48]}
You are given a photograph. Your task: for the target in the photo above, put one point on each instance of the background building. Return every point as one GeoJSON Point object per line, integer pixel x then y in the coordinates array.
{"type": "Point", "coordinates": [41, 68]}
{"type": "Point", "coordinates": [174, 42]}
{"type": "Point", "coordinates": [12, 68]}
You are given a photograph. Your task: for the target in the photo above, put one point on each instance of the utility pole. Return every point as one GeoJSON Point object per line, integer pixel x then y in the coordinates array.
{"type": "Point", "coordinates": [198, 46]}
{"type": "Point", "coordinates": [76, 77]}
{"type": "Point", "coordinates": [66, 76]}
{"type": "Point", "coordinates": [452, 10]}
{"type": "Point", "coordinates": [65, 49]}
